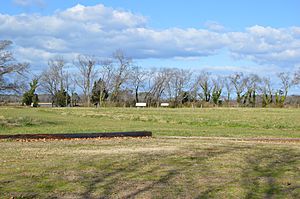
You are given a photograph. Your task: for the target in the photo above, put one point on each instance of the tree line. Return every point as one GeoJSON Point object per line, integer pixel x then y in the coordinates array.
{"type": "Point", "coordinates": [118, 81]}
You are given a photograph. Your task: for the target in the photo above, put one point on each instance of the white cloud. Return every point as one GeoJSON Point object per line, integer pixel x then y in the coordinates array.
{"type": "Point", "coordinates": [266, 45]}
{"type": "Point", "coordinates": [214, 26]}
{"type": "Point", "coordinates": [99, 30]}
{"type": "Point", "coordinates": [103, 17]}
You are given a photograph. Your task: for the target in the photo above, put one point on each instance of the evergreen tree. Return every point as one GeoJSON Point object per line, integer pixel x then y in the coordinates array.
{"type": "Point", "coordinates": [216, 94]}
{"type": "Point", "coordinates": [99, 92]}
{"type": "Point", "coordinates": [30, 96]}
{"type": "Point", "coordinates": [185, 97]}
{"type": "Point", "coordinates": [279, 98]}
{"type": "Point", "coordinates": [61, 98]}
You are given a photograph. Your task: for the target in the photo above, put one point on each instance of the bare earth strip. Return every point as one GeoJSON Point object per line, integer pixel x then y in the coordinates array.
{"type": "Point", "coordinates": [237, 139]}
{"type": "Point", "coordinates": [272, 140]}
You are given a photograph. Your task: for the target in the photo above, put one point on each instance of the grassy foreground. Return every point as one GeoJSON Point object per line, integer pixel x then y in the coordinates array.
{"type": "Point", "coordinates": [149, 168]}
{"type": "Point", "coordinates": [159, 167]}
{"type": "Point", "coordinates": [224, 122]}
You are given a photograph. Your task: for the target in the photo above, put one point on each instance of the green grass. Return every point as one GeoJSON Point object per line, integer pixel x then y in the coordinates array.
{"type": "Point", "coordinates": [149, 168]}
{"type": "Point", "coordinates": [221, 122]}
{"type": "Point", "coordinates": [161, 167]}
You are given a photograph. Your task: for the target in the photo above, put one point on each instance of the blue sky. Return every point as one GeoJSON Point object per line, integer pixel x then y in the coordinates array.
{"type": "Point", "coordinates": [261, 36]}
{"type": "Point", "coordinates": [235, 14]}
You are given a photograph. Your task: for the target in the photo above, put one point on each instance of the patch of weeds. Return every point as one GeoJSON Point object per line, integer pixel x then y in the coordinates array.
{"type": "Point", "coordinates": [95, 116]}
{"type": "Point", "coordinates": [152, 119]}
{"type": "Point", "coordinates": [17, 122]}
{"type": "Point", "coordinates": [276, 126]}
{"type": "Point", "coordinates": [27, 121]}
{"type": "Point", "coordinates": [136, 118]}
{"type": "Point", "coordinates": [46, 186]}
{"type": "Point", "coordinates": [282, 126]}
{"type": "Point", "coordinates": [238, 125]}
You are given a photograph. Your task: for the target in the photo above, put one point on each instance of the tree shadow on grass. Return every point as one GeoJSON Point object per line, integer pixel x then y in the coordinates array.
{"type": "Point", "coordinates": [157, 174]}
{"type": "Point", "coordinates": [109, 180]}
{"type": "Point", "coordinates": [263, 166]}
{"type": "Point", "coordinates": [135, 167]}
{"type": "Point", "coordinates": [261, 176]}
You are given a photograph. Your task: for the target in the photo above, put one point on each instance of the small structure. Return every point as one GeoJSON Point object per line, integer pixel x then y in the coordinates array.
{"type": "Point", "coordinates": [164, 104]}
{"type": "Point", "coordinates": [140, 104]}
{"type": "Point", "coordinates": [43, 104]}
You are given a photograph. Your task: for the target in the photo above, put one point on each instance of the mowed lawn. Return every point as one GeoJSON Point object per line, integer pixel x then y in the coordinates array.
{"type": "Point", "coordinates": [157, 167]}
{"type": "Point", "coordinates": [221, 122]}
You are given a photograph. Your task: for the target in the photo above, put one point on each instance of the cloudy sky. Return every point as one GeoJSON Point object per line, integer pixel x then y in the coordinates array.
{"type": "Point", "coordinates": [261, 36]}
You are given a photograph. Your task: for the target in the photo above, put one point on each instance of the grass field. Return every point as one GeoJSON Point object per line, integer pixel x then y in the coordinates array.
{"type": "Point", "coordinates": [149, 168]}
{"type": "Point", "coordinates": [224, 122]}
{"type": "Point", "coordinates": [164, 166]}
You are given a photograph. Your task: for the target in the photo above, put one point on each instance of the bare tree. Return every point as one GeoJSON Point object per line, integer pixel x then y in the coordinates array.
{"type": "Point", "coordinates": [86, 66]}
{"type": "Point", "coordinates": [296, 79]}
{"type": "Point", "coordinates": [72, 89]}
{"type": "Point", "coordinates": [67, 85]}
{"type": "Point", "coordinates": [53, 78]}
{"type": "Point", "coordinates": [177, 84]}
{"type": "Point", "coordinates": [194, 88]}
{"type": "Point", "coordinates": [149, 94]}
{"type": "Point", "coordinates": [170, 85]}
{"type": "Point", "coordinates": [161, 83]}
{"type": "Point", "coordinates": [267, 92]}
{"type": "Point", "coordinates": [252, 83]}
{"type": "Point", "coordinates": [121, 73]}
{"type": "Point", "coordinates": [107, 72]}
{"type": "Point", "coordinates": [182, 84]}
{"type": "Point", "coordinates": [239, 82]}
{"type": "Point", "coordinates": [228, 87]}
{"type": "Point", "coordinates": [9, 68]}
{"type": "Point", "coordinates": [286, 83]}
{"type": "Point", "coordinates": [158, 85]}
{"type": "Point", "coordinates": [138, 76]}
{"type": "Point", "coordinates": [206, 85]}
{"type": "Point", "coordinates": [218, 84]}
